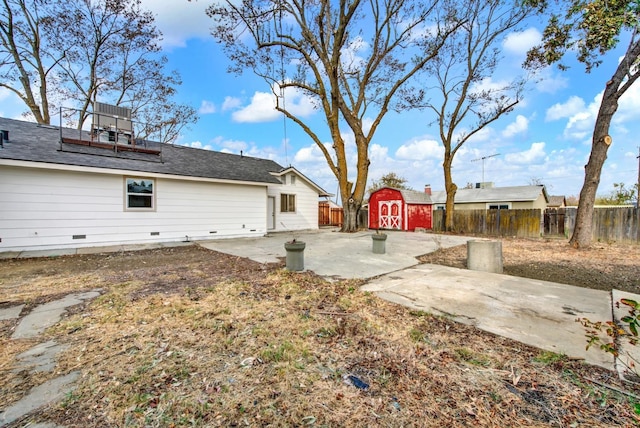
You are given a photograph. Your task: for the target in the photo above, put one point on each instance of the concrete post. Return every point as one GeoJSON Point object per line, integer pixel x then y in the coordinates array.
{"type": "Point", "coordinates": [379, 243]}
{"type": "Point", "coordinates": [484, 255]}
{"type": "Point", "coordinates": [295, 255]}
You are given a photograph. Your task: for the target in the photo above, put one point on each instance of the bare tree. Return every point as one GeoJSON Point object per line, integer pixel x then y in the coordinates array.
{"type": "Point", "coordinates": [83, 51]}
{"type": "Point", "coordinates": [26, 61]}
{"type": "Point", "coordinates": [591, 28]}
{"type": "Point", "coordinates": [355, 59]}
{"type": "Point", "coordinates": [466, 104]}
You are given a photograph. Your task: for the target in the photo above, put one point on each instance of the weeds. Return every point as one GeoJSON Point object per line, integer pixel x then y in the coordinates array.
{"type": "Point", "coordinates": [608, 336]}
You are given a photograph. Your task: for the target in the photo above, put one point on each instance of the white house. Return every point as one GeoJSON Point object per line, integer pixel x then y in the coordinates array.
{"type": "Point", "coordinates": [64, 188]}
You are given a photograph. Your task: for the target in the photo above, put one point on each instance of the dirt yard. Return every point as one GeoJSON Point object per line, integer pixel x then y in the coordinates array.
{"type": "Point", "coordinates": [190, 337]}
{"type": "Point", "coordinates": [602, 267]}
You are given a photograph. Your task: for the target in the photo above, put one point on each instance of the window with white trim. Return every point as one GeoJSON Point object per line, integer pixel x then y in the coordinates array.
{"type": "Point", "coordinates": [287, 203]}
{"type": "Point", "coordinates": [292, 180]}
{"type": "Point", "coordinates": [139, 194]}
{"type": "Point", "coordinates": [499, 206]}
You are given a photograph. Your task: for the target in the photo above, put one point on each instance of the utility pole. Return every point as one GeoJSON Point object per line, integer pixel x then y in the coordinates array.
{"type": "Point", "coordinates": [638, 183]}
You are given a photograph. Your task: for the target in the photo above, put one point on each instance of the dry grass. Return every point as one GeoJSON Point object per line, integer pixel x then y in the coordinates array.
{"type": "Point", "coordinates": [189, 337]}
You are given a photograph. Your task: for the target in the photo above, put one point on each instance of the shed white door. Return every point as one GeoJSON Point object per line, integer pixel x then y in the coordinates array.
{"type": "Point", "coordinates": [271, 212]}
{"type": "Point", "coordinates": [390, 214]}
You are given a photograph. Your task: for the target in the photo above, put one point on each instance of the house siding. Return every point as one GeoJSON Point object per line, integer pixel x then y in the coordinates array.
{"type": "Point", "coordinates": [306, 214]}
{"type": "Point", "coordinates": [44, 209]}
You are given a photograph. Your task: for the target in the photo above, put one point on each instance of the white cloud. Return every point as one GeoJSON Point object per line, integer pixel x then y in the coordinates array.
{"type": "Point", "coordinates": [580, 124]}
{"type": "Point", "coordinates": [350, 55]}
{"type": "Point", "coordinates": [581, 121]}
{"type": "Point", "coordinates": [549, 81]}
{"type": "Point", "coordinates": [311, 153]}
{"type": "Point", "coordinates": [572, 106]}
{"type": "Point", "coordinates": [485, 134]}
{"type": "Point", "coordinates": [535, 154]}
{"type": "Point", "coordinates": [231, 103]}
{"type": "Point", "coordinates": [199, 145]}
{"type": "Point", "coordinates": [420, 150]}
{"type": "Point", "coordinates": [628, 105]}
{"type": "Point", "coordinates": [519, 43]}
{"type": "Point", "coordinates": [231, 146]}
{"type": "Point", "coordinates": [519, 126]}
{"type": "Point", "coordinates": [179, 20]}
{"type": "Point", "coordinates": [378, 153]}
{"type": "Point", "coordinates": [207, 107]}
{"type": "Point", "coordinates": [262, 107]}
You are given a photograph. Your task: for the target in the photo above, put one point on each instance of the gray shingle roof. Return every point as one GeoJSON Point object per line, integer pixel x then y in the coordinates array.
{"type": "Point", "coordinates": [415, 197]}
{"type": "Point", "coordinates": [492, 194]}
{"type": "Point", "coordinates": [556, 201]}
{"type": "Point", "coordinates": [29, 141]}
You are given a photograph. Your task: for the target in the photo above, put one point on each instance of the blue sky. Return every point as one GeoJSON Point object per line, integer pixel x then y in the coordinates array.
{"type": "Point", "coordinates": [546, 138]}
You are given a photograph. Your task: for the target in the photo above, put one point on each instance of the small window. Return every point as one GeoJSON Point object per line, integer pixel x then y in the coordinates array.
{"type": "Point", "coordinates": [292, 180]}
{"type": "Point", "coordinates": [287, 203]}
{"type": "Point", "coordinates": [499, 207]}
{"type": "Point", "coordinates": [140, 194]}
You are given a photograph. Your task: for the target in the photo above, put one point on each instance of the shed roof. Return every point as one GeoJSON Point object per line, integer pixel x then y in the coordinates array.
{"type": "Point", "coordinates": [31, 142]}
{"type": "Point", "coordinates": [415, 197]}
{"type": "Point", "coordinates": [493, 194]}
{"type": "Point", "coordinates": [411, 196]}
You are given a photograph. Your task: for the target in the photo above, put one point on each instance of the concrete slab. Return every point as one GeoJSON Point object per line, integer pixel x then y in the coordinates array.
{"type": "Point", "coordinates": [11, 312]}
{"type": "Point", "coordinates": [49, 392]}
{"type": "Point", "coordinates": [628, 361]}
{"type": "Point", "coordinates": [47, 253]}
{"type": "Point", "coordinates": [40, 358]}
{"type": "Point", "coordinates": [538, 313]}
{"type": "Point", "coordinates": [89, 250]}
{"type": "Point", "coordinates": [9, 254]}
{"type": "Point", "coordinates": [333, 254]}
{"type": "Point", "coordinates": [48, 314]}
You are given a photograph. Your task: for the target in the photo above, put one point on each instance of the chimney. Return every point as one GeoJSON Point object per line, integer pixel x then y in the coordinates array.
{"type": "Point", "coordinates": [427, 189]}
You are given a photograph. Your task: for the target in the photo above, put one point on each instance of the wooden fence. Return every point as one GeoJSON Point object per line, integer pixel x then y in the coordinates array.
{"type": "Point", "coordinates": [521, 223]}
{"type": "Point", "coordinates": [328, 216]}
{"type": "Point", "coordinates": [615, 224]}
{"type": "Point", "coordinates": [554, 221]}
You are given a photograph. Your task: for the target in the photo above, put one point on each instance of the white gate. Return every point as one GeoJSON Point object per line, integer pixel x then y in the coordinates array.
{"type": "Point", "coordinates": [390, 217]}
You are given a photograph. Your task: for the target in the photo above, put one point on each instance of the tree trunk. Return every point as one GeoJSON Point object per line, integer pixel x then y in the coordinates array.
{"type": "Point", "coordinates": [582, 233]}
{"type": "Point", "coordinates": [350, 221]}
{"type": "Point", "coordinates": [451, 190]}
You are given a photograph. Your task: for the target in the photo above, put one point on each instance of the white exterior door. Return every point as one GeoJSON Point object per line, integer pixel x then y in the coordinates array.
{"type": "Point", "coordinates": [271, 212]}
{"type": "Point", "coordinates": [390, 214]}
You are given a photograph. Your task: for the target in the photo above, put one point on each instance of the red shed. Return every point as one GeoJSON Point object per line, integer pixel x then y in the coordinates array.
{"type": "Point", "coordinates": [400, 209]}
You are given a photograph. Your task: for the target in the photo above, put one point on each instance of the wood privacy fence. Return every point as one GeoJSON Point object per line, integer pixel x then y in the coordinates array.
{"type": "Point", "coordinates": [619, 224]}
{"type": "Point", "coordinates": [328, 216]}
{"type": "Point", "coordinates": [521, 223]}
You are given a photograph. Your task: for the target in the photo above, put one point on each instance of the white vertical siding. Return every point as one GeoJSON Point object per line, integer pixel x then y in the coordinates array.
{"type": "Point", "coordinates": [44, 209]}
{"type": "Point", "coordinates": [306, 215]}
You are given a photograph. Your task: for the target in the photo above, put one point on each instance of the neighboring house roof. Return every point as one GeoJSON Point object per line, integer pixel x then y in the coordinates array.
{"type": "Point", "coordinates": [556, 201]}
{"type": "Point", "coordinates": [31, 142]}
{"type": "Point", "coordinates": [320, 190]}
{"type": "Point", "coordinates": [493, 194]}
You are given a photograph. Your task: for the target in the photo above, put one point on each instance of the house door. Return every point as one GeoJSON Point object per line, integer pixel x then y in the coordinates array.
{"type": "Point", "coordinates": [271, 212]}
{"type": "Point", "coordinates": [390, 217]}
